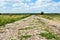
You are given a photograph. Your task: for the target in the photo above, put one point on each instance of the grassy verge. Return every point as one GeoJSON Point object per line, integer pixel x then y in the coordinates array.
{"type": "Point", "coordinates": [4, 19]}
{"type": "Point", "coordinates": [52, 17]}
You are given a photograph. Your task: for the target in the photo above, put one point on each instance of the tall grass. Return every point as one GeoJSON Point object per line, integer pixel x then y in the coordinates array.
{"type": "Point", "coordinates": [4, 19]}
{"type": "Point", "coordinates": [52, 17]}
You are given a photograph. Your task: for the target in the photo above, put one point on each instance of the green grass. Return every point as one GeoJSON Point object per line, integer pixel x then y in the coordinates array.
{"type": "Point", "coordinates": [49, 35]}
{"type": "Point", "coordinates": [26, 28]}
{"type": "Point", "coordinates": [47, 17]}
{"type": "Point", "coordinates": [25, 37]}
{"type": "Point", "coordinates": [12, 39]}
{"type": "Point", "coordinates": [4, 19]}
{"type": "Point", "coordinates": [52, 17]}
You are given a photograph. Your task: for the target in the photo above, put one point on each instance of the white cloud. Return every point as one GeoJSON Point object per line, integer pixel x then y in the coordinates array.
{"type": "Point", "coordinates": [28, 0]}
{"type": "Point", "coordinates": [39, 5]}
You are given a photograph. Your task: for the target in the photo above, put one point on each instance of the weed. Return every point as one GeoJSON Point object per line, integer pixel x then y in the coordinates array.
{"type": "Point", "coordinates": [25, 37]}
{"type": "Point", "coordinates": [27, 28]}
{"type": "Point", "coordinates": [49, 35]}
{"type": "Point", "coordinates": [4, 19]}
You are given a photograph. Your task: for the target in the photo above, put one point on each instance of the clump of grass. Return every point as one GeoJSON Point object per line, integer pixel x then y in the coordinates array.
{"type": "Point", "coordinates": [25, 37]}
{"type": "Point", "coordinates": [49, 35]}
{"type": "Point", "coordinates": [12, 39]}
{"type": "Point", "coordinates": [48, 17]}
{"type": "Point", "coordinates": [26, 28]}
{"type": "Point", "coordinates": [39, 21]}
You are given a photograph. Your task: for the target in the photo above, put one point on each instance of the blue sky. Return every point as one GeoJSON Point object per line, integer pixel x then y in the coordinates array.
{"type": "Point", "coordinates": [29, 6]}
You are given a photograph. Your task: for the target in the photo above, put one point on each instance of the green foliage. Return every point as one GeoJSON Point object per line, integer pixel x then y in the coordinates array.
{"type": "Point", "coordinates": [4, 19]}
{"type": "Point", "coordinates": [42, 13]}
{"type": "Point", "coordinates": [52, 17]}
{"type": "Point", "coordinates": [47, 35]}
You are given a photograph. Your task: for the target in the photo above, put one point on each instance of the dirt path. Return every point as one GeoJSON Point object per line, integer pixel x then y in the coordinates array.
{"type": "Point", "coordinates": [13, 30]}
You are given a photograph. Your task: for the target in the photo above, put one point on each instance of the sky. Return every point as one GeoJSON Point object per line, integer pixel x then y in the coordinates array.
{"type": "Point", "coordinates": [29, 6]}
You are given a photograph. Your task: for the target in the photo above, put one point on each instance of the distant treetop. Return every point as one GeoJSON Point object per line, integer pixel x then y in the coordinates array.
{"type": "Point", "coordinates": [42, 13]}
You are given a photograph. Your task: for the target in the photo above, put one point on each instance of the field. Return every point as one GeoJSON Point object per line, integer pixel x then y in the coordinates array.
{"type": "Point", "coordinates": [5, 19]}
{"type": "Point", "coordinates": [31, 27]}
{"type": "Point", "coordinates": [52, 17]}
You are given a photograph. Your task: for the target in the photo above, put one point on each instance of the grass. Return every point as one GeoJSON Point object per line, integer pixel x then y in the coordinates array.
{"type": "Point", "coordinates": [25, 37]}
{"type": "Point", "coordinates": [52, 17]}
{"type": "Point", "coordinates": [26, 28]}
{"type": "Point", "coordinates": [49, 35]}
{"type": "Point", "coordinates": [21, 37]}
{"type": "Point", "coordinates": [47, 17]}
{"type": "Point", "coordinates": [5, 19]}
{"type": "Point", "coordinates": [12, 39]}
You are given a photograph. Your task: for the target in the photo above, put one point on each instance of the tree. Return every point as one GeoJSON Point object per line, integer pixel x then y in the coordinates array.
{"type": "Point", "coordinates": [0, 13]}
{"type": "Point", "coordinates": [42, 13]}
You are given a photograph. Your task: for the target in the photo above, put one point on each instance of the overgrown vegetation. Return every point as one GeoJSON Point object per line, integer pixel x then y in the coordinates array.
{"type": "Point", "coordinates": [4, 19]}
{"type": "Point", "coordinates": [52, 17]}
